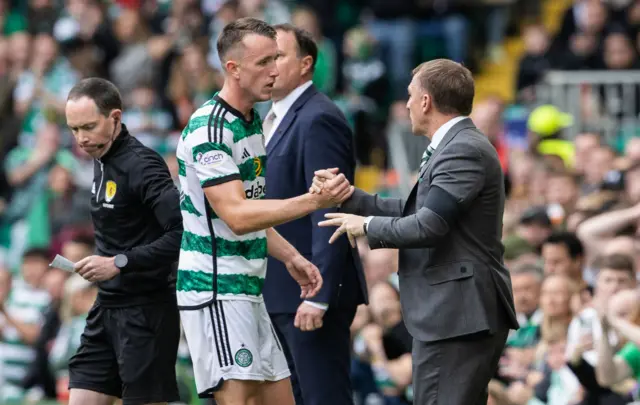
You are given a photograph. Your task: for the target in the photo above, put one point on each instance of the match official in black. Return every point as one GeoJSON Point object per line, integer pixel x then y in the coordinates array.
{"type": "Point", "coordinates": [129, 346]}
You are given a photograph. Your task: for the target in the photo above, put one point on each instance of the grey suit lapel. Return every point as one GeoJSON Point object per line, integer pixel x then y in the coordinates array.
{"type": "Point", "coordinates": [464, 124]}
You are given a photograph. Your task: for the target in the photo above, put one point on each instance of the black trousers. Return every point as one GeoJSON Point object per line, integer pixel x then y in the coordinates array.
{"type": "Point", "coordinates": [456, 371]}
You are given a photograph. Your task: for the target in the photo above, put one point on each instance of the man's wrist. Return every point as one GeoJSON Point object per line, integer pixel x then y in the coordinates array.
{"type": "Point", "coordinates": [312, 202]}
{"type": "Point", "coordinates": [318, 305]}
{"type": "Point", "coordinates": [288, 254]}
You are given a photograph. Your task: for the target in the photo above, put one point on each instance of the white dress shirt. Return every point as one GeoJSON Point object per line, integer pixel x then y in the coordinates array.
{"type": "Point", "coordinates": [281, 108]}
{"type": "Point", "coordinates": [442, 131]}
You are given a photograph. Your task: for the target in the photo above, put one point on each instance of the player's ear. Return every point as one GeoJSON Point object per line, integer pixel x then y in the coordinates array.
{"type": "Point", "coordinates": [232, 68]}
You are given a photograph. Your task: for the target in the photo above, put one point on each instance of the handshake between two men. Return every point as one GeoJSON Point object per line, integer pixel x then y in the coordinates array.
{"type": "Point", "coordinates": [337, 187]}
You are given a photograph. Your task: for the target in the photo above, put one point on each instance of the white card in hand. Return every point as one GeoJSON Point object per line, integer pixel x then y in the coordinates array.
{"type": "Point", "coordinates": [63, 263]}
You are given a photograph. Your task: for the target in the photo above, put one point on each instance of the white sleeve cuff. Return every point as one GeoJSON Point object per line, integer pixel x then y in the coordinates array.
{"type": "Point", "coordinates": [366, 223]}
{"type": "Point", "coordinates": [318, 305]}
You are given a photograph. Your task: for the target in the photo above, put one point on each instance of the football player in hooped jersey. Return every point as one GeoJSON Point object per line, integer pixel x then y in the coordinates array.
{"type": "Point", "coordinates": [228, 231]}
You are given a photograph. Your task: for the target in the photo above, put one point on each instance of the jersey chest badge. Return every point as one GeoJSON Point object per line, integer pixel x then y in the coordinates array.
{"type": "Point", "coordinates": [257, 165]}
{"type": "Point", "coordinates": [110, 190]}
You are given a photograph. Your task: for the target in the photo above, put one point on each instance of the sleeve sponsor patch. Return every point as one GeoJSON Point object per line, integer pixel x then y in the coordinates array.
{"type": "Point", "coordinates": [211, 159]}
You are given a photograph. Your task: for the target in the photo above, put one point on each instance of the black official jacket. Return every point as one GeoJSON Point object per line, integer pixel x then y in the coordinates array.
{"type": "Point", "coordinates": [136, 212]}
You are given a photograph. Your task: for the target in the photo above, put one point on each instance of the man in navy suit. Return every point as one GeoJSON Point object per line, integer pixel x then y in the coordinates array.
{"type": "Point", "coordinates": [304, 132]}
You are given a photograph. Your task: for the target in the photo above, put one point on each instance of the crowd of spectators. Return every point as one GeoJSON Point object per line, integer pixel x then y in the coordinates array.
{"type": "Point", "coordinates": [571, 224]}
{"type": "Point", "coordinates": [594, 35]}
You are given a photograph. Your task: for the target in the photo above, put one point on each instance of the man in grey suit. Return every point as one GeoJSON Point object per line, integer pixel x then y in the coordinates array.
{"type": "Point", "coordinates": [455, 292]}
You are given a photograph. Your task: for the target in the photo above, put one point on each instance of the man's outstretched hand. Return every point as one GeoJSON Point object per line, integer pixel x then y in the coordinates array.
{"type": "Point", "coordinates": [328, 183]}
{"type": "Point", "coordinates": [352, 225]}
{"type": "Point", "coordinates": [306, 274]}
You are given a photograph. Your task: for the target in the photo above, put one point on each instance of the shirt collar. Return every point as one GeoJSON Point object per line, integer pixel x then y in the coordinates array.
{"type": "Point", "coordinates": [281, 107]}
{"type": "Point", "coordinates": [116, 144]}
{"type": "Point", "coordinates": [442, 131]}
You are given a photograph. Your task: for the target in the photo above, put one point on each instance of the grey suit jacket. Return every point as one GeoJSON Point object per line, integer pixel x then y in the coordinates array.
{"type": "Point", "coordinates": [452, 279]}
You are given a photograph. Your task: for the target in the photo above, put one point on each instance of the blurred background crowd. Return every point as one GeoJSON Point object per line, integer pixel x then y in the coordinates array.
{"type": "Point", "coordinates": [558, 94]}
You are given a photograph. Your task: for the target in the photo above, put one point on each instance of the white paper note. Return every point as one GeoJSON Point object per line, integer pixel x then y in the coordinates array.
{"type": "Point", "coordinates": [62, 263]}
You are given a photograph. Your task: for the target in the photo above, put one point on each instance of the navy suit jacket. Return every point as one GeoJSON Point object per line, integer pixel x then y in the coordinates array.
{"type": "Point", "coordinates": [313, 135]}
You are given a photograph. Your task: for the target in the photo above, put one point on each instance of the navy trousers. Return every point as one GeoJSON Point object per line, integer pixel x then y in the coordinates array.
{"type": "Point", "coordinates": [319, 360]}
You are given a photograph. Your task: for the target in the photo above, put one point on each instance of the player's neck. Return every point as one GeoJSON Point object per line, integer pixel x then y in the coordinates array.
{"type": "Point", "coordinates": [236, 100]}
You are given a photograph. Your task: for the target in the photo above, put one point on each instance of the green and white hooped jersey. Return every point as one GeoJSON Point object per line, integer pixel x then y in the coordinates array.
{"type": "Point", "coordinates": [219, 145]}
{"type": "Point", "coordinates": [26, 304]}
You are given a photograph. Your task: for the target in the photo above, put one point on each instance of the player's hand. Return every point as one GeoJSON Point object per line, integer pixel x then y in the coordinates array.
{"type": "Point", "coordinates": [350, 224]}
{"type": "Point", "coordinates": [306, 274]}
{"type": "Point", "coordinates": [329, 180]}
{"type": "Point", "coordinates": [320, 176]}
{"type": "Point", "coordinates": [331, 188]}
{"type": "Point", "coordinates": [97, 268]}
{"type": "Point", "coordinates": [308, 317]}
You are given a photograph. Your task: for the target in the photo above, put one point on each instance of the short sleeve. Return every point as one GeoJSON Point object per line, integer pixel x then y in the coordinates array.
{"type": "Point", "coordinates": [212, 160]}
{"type": "Point", "coordinates": [631, 355]}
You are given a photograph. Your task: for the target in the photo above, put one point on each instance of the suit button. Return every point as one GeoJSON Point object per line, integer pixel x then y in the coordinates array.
{"type": "Point", "coordinates": [463, 269]}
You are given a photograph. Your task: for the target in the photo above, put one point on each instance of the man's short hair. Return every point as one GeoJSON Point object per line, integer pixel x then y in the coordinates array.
{"type": "Point", "coordinates": [562, 174]}
{"type": "Point", "coordinates": [36, 253]}
{"type": "Point", "coordinates": [306, 45]}
{"type": "Point", "coordinates": [84, 239]}
{"type": "Point", "coordinates": [569, 240]}
{"type": "Point", "coordinates": [104, 93]}
{"type": "Point", "coordinates": [449, 84]}
{"type": "Point", "coordinates": [536, 215]}
{"type": "Point", "coordinates": [616, 261]}
{"type": "Point", "coordinates": [529, 268]}
{"type": "Point", "coordinates": [234, 32]}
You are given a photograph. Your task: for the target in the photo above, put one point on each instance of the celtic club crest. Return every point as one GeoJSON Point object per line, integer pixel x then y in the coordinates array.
{"type": "Point", "coordinates": [244, 358]}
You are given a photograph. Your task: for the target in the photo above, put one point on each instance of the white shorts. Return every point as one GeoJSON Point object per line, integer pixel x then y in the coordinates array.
{"type": "Point", "coordinates": [232, 340]}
